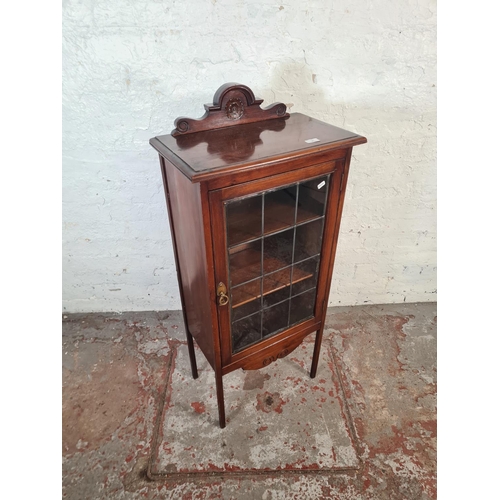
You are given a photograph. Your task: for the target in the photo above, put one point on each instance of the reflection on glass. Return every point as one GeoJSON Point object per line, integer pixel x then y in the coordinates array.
{"type": "Point", "coordinates": [312, 199]}
{"type": "Point", "coordinates": [275, 318]}
{"type": "Point", "coordinates": [278, 250]}
{"type": "Point", "coordinates": [274, 244]}
{"type": "Point", "coordinates": [246, 331]}
{"type": "Point", "coordinates": [305, 275]}
{"type": "Point", "coordinates": [302, 306]}
{"type": "Point", "coordinates": [308, 238]}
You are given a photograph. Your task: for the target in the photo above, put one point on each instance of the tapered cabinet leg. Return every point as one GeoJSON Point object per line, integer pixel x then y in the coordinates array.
{"type": "Point", "coordinates": [220, 399]}
{"type": "Point", "coordinates": [317, 348]}
{"type": "Point", "coordinates": [192, 357]}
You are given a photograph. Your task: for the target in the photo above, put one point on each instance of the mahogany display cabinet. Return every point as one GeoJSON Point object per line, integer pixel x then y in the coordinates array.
{"type": "Point", "coordinates": [254, 198]}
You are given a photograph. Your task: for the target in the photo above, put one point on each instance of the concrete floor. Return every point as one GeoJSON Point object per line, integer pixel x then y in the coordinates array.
{"type": "Point", "coordinates": [383, 376]}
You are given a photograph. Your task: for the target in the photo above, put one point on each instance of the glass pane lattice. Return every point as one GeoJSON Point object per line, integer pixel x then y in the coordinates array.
{"type": "Point", "coordinates": [274, 244]}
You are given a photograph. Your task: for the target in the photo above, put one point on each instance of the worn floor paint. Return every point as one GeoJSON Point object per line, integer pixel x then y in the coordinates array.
{"type": "Point", "coordinates": [278, 418]}
{"type": "Point", "coordinates": [382, 358]}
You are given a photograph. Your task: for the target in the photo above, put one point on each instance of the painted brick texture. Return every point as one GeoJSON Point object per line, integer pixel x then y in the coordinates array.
{"type": "Point", "coordinates": [130, 67]}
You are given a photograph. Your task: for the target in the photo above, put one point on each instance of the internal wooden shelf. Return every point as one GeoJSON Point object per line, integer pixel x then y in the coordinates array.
{"type": "Point", "coordinates": [242, 227]}
{"type": "Point", "coordinates": [281, 279]}
{"type": "Point", "coordinates": [246, 226]}
{"type": "Point", "coordinates": [245, 264]}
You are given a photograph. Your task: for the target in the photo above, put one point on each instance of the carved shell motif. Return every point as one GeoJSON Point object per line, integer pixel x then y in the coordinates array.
{"type": "Point", "coordinates": [234, 109]}
{"type": "Point", "coordinates": [270, 359]}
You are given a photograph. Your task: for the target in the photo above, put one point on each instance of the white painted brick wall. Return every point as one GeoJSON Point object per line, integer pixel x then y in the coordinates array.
{"type": "Point", "coordinates": [132, 66]}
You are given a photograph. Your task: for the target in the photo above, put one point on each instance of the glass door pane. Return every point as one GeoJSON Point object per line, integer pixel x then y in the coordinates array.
{"type": "Point", "coordinates": [279, 209]}
{"type": "Point", "coordinates": [274, 244]}
{"type": "Point", "coordinates": [244, 220]}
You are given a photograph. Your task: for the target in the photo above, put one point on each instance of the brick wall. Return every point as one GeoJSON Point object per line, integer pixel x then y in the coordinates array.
{"type": "Point", "coordinates": [130, 67]}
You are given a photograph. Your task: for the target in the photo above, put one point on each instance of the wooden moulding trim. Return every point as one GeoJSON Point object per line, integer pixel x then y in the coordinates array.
{"type": "Point", "coordinates": [266, 162]}
{"type": "Point", "coordinates": [277, 168]}
{"type": "Point", "coordinates": [276, 179]}
{"type": "Point", "coordinates": [172, 158]}
{"type": "Point", "coordinates": [233, 104]}
{"type": "Point", "coordinates": [206, 215]}
{"type": "Point", "coordinates": [325, 272]}
{"type": "Point", "coordinates": [279, 347]}
{"type": "Point", "coordinates": [321, 153]}
{"type": "Point", "coordinates": [273, 348]}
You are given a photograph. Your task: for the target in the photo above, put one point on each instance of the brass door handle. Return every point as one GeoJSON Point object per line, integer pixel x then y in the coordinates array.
{"type": "Point", "coordinates": [223, 299]}
{"type": "Point", "coordinates": [222, 294]}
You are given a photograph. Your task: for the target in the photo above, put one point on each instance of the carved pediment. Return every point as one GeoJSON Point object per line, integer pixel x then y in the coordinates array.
{"type": "Point", "coordinates": [233, 104]}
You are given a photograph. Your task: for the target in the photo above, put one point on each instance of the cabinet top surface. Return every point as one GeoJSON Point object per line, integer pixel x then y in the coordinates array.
{"type": "Point", "coordinates": [252, 143]}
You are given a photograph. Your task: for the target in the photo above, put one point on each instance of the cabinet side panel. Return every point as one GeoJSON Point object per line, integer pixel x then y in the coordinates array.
{"type": "Point", "coordinates": [184, 201]}
{"type": "Point", "coordinates": [337, 205]}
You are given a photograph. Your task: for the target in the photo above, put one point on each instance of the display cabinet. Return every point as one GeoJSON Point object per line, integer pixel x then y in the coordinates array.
{"type": "Point", "coordinates": [254, 198]}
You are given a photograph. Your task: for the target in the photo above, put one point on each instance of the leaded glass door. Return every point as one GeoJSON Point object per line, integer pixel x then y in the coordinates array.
{"type": "Point", "coordinates": [272, 242]}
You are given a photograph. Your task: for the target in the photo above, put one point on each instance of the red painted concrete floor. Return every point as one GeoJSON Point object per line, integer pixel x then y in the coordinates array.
{"type": "Point", "coordinates": [115, 374]}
